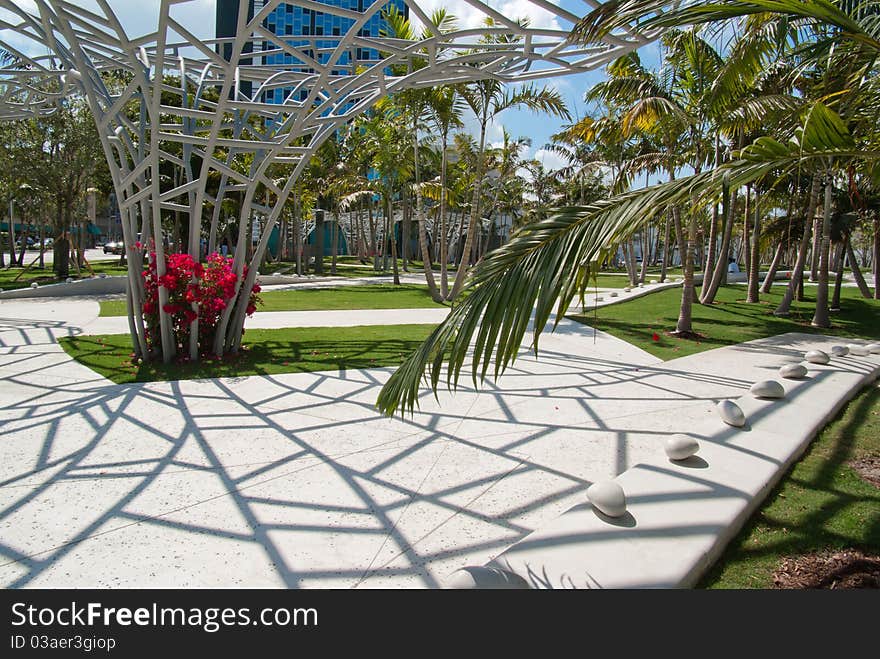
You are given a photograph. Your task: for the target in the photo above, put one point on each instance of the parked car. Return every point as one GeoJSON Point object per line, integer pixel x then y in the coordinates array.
{"type": "Point", "coordinates": [115, 247]}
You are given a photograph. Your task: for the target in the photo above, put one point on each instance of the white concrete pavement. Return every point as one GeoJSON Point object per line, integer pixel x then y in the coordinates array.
{"type": "Point", "coordinates": [295, 480]}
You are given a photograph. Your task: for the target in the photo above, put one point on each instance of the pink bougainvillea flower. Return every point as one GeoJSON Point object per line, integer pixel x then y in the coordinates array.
{"type": "Point", "coordinates": [655, 337]}
{"type": "Point", "coordinates": [195, 291]}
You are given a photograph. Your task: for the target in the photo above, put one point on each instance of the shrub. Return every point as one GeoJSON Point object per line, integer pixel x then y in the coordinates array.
{"type": "Point", "coordinates": [210, 285]}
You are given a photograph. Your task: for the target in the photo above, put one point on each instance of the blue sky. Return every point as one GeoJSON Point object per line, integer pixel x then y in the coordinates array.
{"type": "Point", "coordinates": [198, 15]}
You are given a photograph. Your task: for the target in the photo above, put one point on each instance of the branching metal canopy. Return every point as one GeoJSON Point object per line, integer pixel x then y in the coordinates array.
{"type": "Point", "coordinates": [202, 107]}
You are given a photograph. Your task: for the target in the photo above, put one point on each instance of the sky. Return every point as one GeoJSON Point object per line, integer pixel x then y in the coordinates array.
{"type": "Point", "coordinates": [137, 16]}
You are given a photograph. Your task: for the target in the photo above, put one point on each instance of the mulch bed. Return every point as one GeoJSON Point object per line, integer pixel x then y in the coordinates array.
{"type": "Point", "coordinates": [868, 468]}
{"type": "Point", "coordinates": [829, 570]}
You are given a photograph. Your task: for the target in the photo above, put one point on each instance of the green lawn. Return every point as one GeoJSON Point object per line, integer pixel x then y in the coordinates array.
{"type": "Point", "coordinates": [266, 352]}
{"type": "Point", "coordinates": [352, 267]}
{"type": "Point", "coordinates": [613, 281]}
{"type": "Point", "coordinates": [378, 296]}
{"type": "Point", "coordinates": [730, 320]}
{"type": "Point", "coordinates": [47, 276]}
{"type": "Point", "coordinates": [822, 504]}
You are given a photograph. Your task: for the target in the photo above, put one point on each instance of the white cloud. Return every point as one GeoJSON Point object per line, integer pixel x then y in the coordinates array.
{"type": "Point", "coordinates": [469, 16]}
{"type": "Point", "coordinates": [550, 159]}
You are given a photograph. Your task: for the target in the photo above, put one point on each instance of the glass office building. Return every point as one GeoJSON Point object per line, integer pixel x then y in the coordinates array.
{"type": "Point", "coordinates": [289, 22]}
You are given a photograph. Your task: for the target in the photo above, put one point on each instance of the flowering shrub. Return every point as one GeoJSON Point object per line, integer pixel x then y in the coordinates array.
{"type": "Point", "coordinates": [211, 286]}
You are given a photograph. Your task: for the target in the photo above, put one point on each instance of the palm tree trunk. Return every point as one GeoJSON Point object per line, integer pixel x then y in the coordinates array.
{"type": "Point", "coordinates": [386, 238]}
{"type": "Point", "coordinates": [746, 242]}
{"type": "Point", "coordinates": [684, 325]}
{"type": "Point", "coordinates": [838, 276]}
{"type": "Point", "coordinates": [297, 236]}
{"type": "Point", "coordinates": [630, 273]}
{"type": "Point", "coordinates": [404, 231]}
{"type": "Point", "coordinates": [774, 265]}
{"type": "Point", "coordinates": [728, 208]}
{"type": "Point", "coordinates": [655, 247]}
{"type": "Point", "coordinates": [422, 228]}
{"type": "Point", "coordinates": [857, 272]}
{"type": "Point", "coordinates": [374, 247]}
{"type": "Point", "coordinates": [755, 258]}
{"type": "Point", "coordinates": [334, 243]}
{"type": "Point", "coordinates": [645, 256]}
{"type": "Point", "coordinates": [821, 317]}
{"type": "Point", "coordinates": [877, 255]}
{"type": "Point", "coordinates": [665, 261]}
{"type": "Point", "coordinates": [474, 218]}
{"type": "Point", "coordinates": [711, 255]}
{"type": "Point", "coordinates": [796, 284]}
{"type": "Point", "coordinates": [676, 223]}
{"type": "Point", "coordinates": [444, 246]}
{"type": "Point", "coordinates": [393, 243]}
{"type": "Point", "coordinates": [814, 259]}
{"type": "Point", "coordinates": [836, 255]}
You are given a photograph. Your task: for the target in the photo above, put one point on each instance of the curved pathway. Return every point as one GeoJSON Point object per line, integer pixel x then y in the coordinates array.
{"type": "Point", "coordinates": [295, 481]}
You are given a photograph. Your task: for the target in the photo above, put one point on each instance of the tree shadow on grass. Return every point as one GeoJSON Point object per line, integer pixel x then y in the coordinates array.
{"type": "Point", "coordinates": [263, 355]}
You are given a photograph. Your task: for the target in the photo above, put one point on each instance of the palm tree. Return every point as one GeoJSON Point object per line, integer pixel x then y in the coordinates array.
{"type": "Point", "coordinates": [487, 99]}
{"type": "Point", "coordinates": [445, 108]}
{"type": "Point", "coordinates": [414, 104]}
{"type": "Point", "coordinates": [389, 143]}
{"type": "Point", "coordinates": [541, 270]}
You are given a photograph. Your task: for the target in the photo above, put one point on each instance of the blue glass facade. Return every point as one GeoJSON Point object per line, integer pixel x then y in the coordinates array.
{"type": "Point", "coordinates": [290, 21]}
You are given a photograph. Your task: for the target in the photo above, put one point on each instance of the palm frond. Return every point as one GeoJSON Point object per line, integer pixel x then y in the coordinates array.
{"type": "Point", "coordinates": [548, 263]}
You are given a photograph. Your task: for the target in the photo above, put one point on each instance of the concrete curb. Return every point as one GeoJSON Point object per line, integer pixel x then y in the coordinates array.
{"type": "Point", "coordinates": [91, 286]}
{"type": "Point", "coordinates": [622, 296]}
{"type": "Point", "coordinates": [681, 515]}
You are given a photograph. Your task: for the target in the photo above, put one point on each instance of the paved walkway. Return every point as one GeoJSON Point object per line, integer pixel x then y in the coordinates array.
{"type": "Point", "coordinates": [295, 481]}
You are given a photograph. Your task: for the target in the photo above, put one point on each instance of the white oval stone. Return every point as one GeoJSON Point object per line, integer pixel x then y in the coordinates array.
{"type": "Point", "coordinates": [608, 498]}
{"type": "Point", "coordinates": [627, 289]}
{"type": "Point", "coordinates": [874, 348]}
{"type": "Point", "coordinates": [731, 413]}
{"type": "Point", "coordinates": [681, 447]}
{"type": "Point", "coordinates": [35, 285]}
{"type": "Point", "coordinates": [653, 281]}
{"type": "Point", "coordinates": [857, 350]}
{"type": "Point", "coordinates": [69, 280]}
{"type": "Point", "coordinates": [613, 294]}
{"type": "Point", "coordinates": [793, 371]}
{"type": "Point", "coordinates": [817, 357]}
{"type": "Point", "coordinates": [767, 389]}
{"type": "Point", "coordinates": [839, 351]}
{"type": "Point", "coordinates": [474, 577]}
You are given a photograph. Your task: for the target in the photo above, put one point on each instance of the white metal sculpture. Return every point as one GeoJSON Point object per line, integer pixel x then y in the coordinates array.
{"type": "Point", "coordinates": [169, 98]}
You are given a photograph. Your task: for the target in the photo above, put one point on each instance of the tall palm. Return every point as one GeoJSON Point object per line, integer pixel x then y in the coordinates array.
{"type": "Point", "coordinates": [487, 99]}
{"type": "Point", "coordinates": [414, 105]}
{"type": "Point", "coordinates": [445, 108]}
{"type": "Point", "coordinates": [665, 105]}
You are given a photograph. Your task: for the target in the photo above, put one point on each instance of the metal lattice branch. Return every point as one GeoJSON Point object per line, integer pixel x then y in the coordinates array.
{"type": "Point", "coordinates": [170, 99]}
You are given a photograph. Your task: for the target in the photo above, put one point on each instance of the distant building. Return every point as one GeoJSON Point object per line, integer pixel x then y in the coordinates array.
{"type": "Point", "coordinates": [302, 28]}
